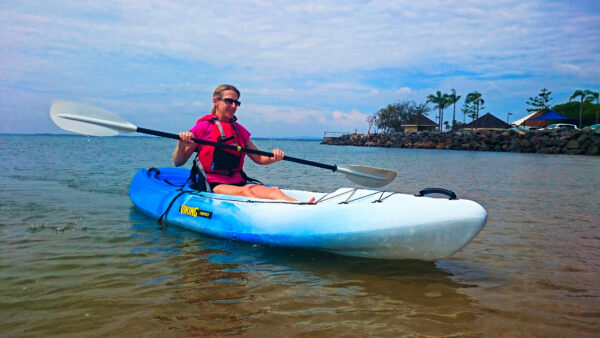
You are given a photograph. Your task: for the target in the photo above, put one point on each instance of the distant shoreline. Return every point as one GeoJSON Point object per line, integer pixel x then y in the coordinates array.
{"type": "Point", "coordinates": [573, 142]}
{"type": "Point", "coordinates": [299, 138]}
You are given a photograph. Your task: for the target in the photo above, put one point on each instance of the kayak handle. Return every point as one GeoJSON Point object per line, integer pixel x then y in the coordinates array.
{"type": "Point", "coordinates": [428, 191]}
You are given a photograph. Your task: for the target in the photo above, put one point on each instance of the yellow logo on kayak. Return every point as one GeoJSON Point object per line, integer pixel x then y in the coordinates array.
{"type": "Point", "coordinates": [194, 211]}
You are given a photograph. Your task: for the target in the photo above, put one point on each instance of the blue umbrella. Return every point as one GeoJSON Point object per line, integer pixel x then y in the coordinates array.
{"type": "Point", "coordinates": [551, 115]}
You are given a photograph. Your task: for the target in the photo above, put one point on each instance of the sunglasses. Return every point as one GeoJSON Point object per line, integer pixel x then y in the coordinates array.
{"type": "Point", "coordinates": [231, 101]}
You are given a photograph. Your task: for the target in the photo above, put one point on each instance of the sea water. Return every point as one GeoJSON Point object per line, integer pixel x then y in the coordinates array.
{"type": "Point", "coordinates": [77, 259]}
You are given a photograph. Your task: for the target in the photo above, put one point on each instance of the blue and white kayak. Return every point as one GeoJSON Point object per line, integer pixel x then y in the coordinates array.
{"type": "Point", "coordinates": [347, 221]}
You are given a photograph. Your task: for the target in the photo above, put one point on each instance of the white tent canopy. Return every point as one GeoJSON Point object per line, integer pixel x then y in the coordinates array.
{"type": "Point", "coordinates": [521, 121]}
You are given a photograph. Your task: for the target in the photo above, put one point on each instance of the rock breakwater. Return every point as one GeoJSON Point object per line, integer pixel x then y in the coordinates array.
{"type": "Point", "coordinates": [575, 142]}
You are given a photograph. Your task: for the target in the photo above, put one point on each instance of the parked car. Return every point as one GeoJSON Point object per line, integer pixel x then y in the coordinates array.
{"type": "Point", "coordinates": [522, 128]}
{"type": "Point", "coordinates": [560, 126]}
{"type": "Point", "coordinates": [595, 126]}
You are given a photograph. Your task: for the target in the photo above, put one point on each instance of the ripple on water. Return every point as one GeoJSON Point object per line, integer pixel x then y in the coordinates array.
{"type": "Point", "coordinates": [109, 271]}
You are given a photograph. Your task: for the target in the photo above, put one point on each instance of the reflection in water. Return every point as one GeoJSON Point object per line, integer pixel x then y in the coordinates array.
{"type": "Point", "coordinates": [223, 287]}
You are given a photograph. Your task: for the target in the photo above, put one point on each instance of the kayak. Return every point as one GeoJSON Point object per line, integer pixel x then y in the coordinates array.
{"type": "Point", "coordinates": [347, 221]}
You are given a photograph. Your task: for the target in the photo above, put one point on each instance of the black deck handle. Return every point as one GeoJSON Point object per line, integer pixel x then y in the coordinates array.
{"type": "Point", "coordinates": [442, 191]}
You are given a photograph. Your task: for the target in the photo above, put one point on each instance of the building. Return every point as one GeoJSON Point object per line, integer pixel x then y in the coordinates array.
{"type": "Point", "coordinates": [487, 122]}
{"type": "Point", "coordinates": [420, 123]}
{"type": "Point", "coordinates": [539, 120]}
{"type": "Point", "coordinates": [525, 122]}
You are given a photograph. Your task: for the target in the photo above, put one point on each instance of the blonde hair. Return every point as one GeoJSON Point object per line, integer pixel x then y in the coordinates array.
{"type": "Point", "coordinates": [218, 93]}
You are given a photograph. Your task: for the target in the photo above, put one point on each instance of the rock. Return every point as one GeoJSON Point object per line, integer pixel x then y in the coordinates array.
{"type": "Point", "coordinates": [582, 141]}
{"type": "Point", "coordinates": [573, 144]}
{"type": "Point", "coordinates": [525, 143]}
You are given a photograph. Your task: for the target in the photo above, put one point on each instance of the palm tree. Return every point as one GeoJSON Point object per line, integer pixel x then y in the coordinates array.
{"type": "Point", "coordinates": [465, 110]}
{"type": "Point", "coordinates": [582, 94]}
{"type": "Point", "coordinates": [452, 99]}
{"type": "Point", "coordinates": [475, 98]}
{"type": "Point", "coordinates": [590, 98]}
{"type": "Point", "coordinates": [441, 101]}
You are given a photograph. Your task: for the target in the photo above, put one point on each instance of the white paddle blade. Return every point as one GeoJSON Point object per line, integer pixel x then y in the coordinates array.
{"type": "Point", "coordinates": [86, 119]}
{"type": "Point", "coordinates": [367, 176]}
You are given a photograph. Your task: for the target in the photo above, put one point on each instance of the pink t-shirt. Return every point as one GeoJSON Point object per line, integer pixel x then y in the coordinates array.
{"type": "Point", "coordinates": [203, 130]}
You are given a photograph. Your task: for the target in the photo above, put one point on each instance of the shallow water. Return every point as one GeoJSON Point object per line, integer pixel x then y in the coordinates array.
{"type": "Point", "coordinates": [77, 259]}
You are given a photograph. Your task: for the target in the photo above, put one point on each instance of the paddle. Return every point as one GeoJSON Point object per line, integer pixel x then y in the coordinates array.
{"type": "Point", "coordinates": [86, 119]}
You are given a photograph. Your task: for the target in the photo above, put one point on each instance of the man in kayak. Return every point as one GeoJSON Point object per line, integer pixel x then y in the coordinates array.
{"type": "Point", "coordinates": [223, 167]}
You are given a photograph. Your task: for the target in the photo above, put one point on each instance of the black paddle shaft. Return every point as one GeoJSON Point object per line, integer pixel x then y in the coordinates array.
{"type": "Point", "coordinates": [242, 149]}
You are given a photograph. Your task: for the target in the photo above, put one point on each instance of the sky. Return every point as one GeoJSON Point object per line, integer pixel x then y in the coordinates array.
{"type": "Point", "coordinates": [303, 67]}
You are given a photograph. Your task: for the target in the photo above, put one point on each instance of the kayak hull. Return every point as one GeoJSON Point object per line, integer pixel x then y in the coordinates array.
{"type": "Point", "coordinates": [348, 221]}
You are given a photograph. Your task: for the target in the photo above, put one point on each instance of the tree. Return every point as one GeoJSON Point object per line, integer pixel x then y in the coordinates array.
{"type": "Point", "coordinates": [371, 120]}
{"type": "Point", "coordinates": [590, 98]}
{"type": "Point", "coordinates": [571, 111]}
{"type": "Point", "coordinates": [441, 101]}
{"type": "Point", "coordinates": [392, 117]}
{"type": "Point", "coordinates": [465, 110]}
{"type": "Point", "coordinates": [470, 110]}
{"type": "Point", "coordinates": [474, 102]}
{"type": "Point", "coordinates": [452, 99]}
{"type": "Point", "coordinates": [582, 94]}
{"type": "Point", "coordinates": [540, 102]}
{"type": "Point", "coordinates": [388, 119]}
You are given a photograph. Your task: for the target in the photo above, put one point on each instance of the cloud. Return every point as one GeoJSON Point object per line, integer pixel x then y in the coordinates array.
{"type": "Point", "coordinates": [307, 37]}
{"type": "Point", "coordinates": [585, 70]}
{"type": "Point", "coordinates": [281, 114]}
{"type": "Point", "coordinates": [349, 121]}
{"type": "Point", "coordinates": [404, 91]}
{"type": "Point", "coordinates": [293, 121]}
{"type": "Point", "coordinates": [302, 60]}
